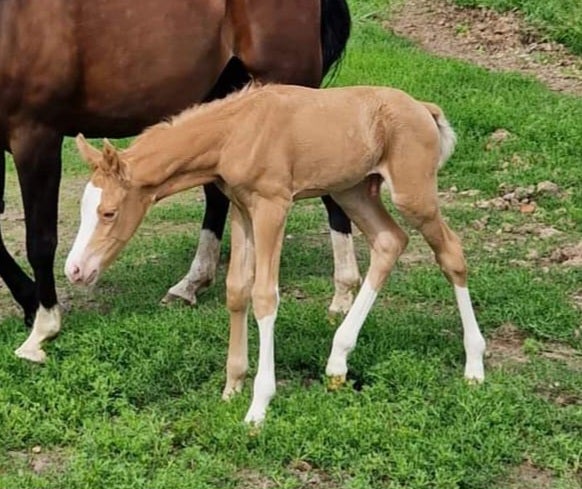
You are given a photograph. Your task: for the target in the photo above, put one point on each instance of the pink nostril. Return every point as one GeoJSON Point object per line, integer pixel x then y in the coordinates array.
{"type": "Point", "coordinates": [75, 273]}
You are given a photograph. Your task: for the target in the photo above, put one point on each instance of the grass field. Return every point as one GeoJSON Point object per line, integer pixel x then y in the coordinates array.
{"type": "Point", "coordinates": [561, 20]}
{"type": "Point", "coordinates": [130, 395]}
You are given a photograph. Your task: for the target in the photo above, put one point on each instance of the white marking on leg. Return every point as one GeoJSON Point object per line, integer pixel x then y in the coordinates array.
{"type": "Point", "coordinates": [264, 386]}
{"type": "Point", "coordinates": [346, 274]}
{"type": "Point", "coordinates": [346, 336]}
{"type": "Point", "coordinates": [202, 270]}
{"type": "Point", "coordinates": [89, 219]}
{"type": "Point", "coordinates": [472, 338]}
{"type": "Point", "coordinates": [46, 325]}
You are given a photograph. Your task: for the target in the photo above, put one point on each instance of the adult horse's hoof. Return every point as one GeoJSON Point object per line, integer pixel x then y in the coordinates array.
{"type": "Point", "coordinates": [175, 299]}
{"type": "Point", "coordinates": [35, 356]}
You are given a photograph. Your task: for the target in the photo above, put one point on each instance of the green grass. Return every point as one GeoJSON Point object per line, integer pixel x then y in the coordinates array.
{"type": "Point", "coordinates": [130, 395]}
{"type": "Point", "coordinates": [561, 20]}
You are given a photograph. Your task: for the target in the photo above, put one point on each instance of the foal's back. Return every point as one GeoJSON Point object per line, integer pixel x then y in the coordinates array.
{"type": "Point", "coordinates": [318, 141]}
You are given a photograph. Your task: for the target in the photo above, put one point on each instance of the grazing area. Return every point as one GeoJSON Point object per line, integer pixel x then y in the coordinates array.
{"type": "Point", "coordinates": [560, 20]}
{"type": "Point", "coordinates": [130, 396]}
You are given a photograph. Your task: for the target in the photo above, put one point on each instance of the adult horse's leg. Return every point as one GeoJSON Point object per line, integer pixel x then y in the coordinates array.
{"type": "Point", "coordinates": [203, 268]}
{"type": "Point", "coordinates": [20, 285]}
{"type": "Point", "coordinates": [37, 154]}
{"type": "Point", "coordinates": [346, 273]}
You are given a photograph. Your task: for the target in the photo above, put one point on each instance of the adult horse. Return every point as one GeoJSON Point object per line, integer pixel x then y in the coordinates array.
{"type": "Point", "coordinates": [111, 68]}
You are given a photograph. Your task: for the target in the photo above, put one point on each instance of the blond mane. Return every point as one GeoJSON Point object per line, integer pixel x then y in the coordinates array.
{"type": "Point", "coordinates": [198, 110]}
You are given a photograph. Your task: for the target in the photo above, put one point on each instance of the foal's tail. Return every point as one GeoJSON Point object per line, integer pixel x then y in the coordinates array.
{"type": "Point", "coordinates": [446, 132]}
{"type": "Point", "coordinates": [335, 32]}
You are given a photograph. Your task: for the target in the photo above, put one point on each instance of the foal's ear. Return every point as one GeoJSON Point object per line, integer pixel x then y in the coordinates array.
{"type": "Point", "coordinates": [112, 163]}
{"type": "Point", "coordinates": [90, 154]}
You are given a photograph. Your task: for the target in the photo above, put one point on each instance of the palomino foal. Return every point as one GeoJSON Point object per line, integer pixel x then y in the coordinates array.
{"type": "Point", "coordinates": [265, 148]}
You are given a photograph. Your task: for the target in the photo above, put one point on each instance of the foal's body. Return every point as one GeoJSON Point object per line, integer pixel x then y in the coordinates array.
{"type": "Point", "coordinates": [288, 143]}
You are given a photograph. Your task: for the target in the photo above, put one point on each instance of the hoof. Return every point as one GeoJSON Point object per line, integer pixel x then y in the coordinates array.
{"type": "Point", "coordinates": [475, 373]}
{"type": "Point", "coordinates": [474, 380]}
{"type": "Point", "coordinates": [255, 420]}
{"type": "Point", "coordinates": [35, 356]}
{"type": "Point", "coordinates": [335, 382]}
{"type": "Point", "coordinates": [232, 390]}
{"type": "Point", "coordinates": [340, 305]}
{"type": "Point", "coordinates": [173, 299]}
{"type": "Point", "coordinates": [335, 318]}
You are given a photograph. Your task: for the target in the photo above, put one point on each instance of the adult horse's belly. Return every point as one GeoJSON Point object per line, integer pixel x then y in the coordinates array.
{"type": "Point", "coordinates": [142, 61]}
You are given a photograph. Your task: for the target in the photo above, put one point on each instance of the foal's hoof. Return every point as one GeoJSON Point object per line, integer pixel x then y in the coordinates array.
{"type": "Point", "coordinates": [475, 373]}
{"type": "Point", "coordinates": [232, 390]}
{"type": "Point", "coordinates": [335, 318]}
{"type": "Point", "coordinates": [335, 382]}
{"type": "Point", "coordinates": [35, 356]}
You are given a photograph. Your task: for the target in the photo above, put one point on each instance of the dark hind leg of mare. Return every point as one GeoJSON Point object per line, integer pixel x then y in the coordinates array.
{"type": "Point", "coordinates": [37, 155]}
{"type": "Point", "coordinates": [203, 268]}
{"type": "Point", "coordinates": [20, 285]}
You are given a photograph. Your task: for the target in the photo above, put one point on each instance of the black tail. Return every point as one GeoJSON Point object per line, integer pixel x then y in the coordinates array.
{"type": "Point", "coordinates": [335, 32]}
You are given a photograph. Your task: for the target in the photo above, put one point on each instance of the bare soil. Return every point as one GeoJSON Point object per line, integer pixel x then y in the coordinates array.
{"type": "Point", "coordinates": [497, 41]}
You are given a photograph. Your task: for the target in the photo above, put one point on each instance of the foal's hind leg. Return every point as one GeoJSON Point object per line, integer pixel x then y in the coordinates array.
{"type": "Point", "coordinates": [423, 213]}
{"type": "Point", "coordinates": [387, 242]}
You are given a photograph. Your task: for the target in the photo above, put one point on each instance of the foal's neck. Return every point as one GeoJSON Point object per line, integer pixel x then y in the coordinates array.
{"type": "Point", "coordinates": [174, 156]}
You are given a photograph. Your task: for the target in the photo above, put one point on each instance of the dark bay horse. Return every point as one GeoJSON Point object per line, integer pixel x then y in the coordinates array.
{"type": "Point", "coordinates": [112, 67]}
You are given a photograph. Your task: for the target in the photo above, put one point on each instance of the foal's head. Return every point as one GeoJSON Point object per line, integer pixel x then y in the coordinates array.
{"type": "Point", "coordinates": [111, 210]}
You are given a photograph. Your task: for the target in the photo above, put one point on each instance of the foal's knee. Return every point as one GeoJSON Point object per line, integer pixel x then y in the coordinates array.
{"type": "Point", "coordinates": [237, 295]}
{"type": "Point", "coordinates": [265, 301]}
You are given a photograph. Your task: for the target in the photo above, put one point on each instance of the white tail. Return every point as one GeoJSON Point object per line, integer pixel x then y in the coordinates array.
{"type": "Point", "coordinates": [447, 134]}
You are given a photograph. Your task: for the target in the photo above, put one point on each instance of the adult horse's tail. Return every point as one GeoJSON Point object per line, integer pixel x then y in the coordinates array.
{"type": "Point", "coordinates": [335, 31]}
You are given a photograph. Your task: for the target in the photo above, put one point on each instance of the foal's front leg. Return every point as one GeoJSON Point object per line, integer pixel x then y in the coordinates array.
{"type": "Point", "coordinates": [239, 282]}
{"type": "Point", "coordinates": [268, 221]}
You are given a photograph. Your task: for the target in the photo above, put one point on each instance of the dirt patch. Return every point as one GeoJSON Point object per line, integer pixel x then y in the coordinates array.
{"type": "Point", "coordinates": [513, 197]}
{"type": "Point", "coordinates": [556, 394]}
{"type": "Point", "coordinates": [506, 346]}
{"type": "Point", "coordinates": [40, 461]}
{"type": "Point", "coordinates": [528, 476]}
{"type": "Point", "coordinates": [307, 477]}
{"type": "Point", "coordinates": [497, 41]}
{"type": "Point", "coordinates": [562, 353]}
{"type": "Point", "coordinates": [569, 256]}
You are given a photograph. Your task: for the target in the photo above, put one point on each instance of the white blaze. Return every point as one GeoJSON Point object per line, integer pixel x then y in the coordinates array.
{"type": "Point", "coordinates": [89, 219]}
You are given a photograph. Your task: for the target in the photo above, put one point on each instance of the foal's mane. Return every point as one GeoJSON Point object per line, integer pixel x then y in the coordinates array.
{"type": "Point", "coordinates": [198, 110]}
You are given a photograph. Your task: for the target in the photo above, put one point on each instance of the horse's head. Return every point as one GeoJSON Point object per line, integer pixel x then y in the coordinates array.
{"type": "Point", "coordinates": [111, 210]}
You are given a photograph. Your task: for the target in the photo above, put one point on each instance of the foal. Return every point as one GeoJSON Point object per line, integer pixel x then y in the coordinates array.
{"type": "Point", "coordinates": [265, 148]}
